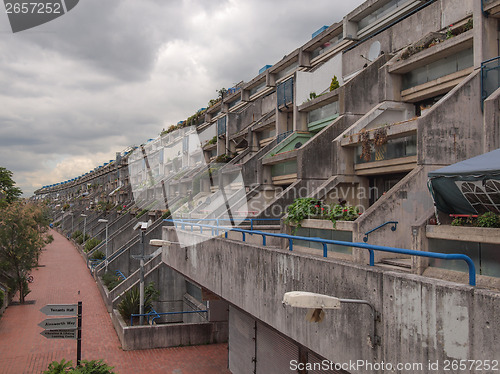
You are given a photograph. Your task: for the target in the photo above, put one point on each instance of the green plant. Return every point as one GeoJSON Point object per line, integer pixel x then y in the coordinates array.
{"type": "Point", "coordinates": [166, 214]}
{"type": "Point", "coordinates": [79, 239]}
{"type": "Point", "coordinates": [86, 367]}
{"type": "Point", "coordinates": [469, 25]}
{"type": "Point", "coordinates": [110, 280]}
{"type": "Point", "coordinates": [303, 208]}
{"type": "Point", "coordinates": [458, 222]}
{"type": "Point", "coordinates": [59, 367]}
{"type": "Point", "coordinates": [335, 83]}
{"type": "Point", "coordinates": [91, 244]}
{"type": "Point", "coordinates": [313, 95]}
{"type": "Point", "coordinates": [341, 212]}
{"type": "Point", "coordinates": [76, 234]}
{"type": "Point", "coordinates": [449, 32]}
{"type": "Point", "coordinates": [142, 212]}
{"type": "Point", "coordinates": [93, 367]}
{"type": "Point", "coordinates": [2, 297]}
{"type": "Point", "coordinates": [130, 301]}
{"type": "Point", "coordinates": [488, 219]}
{"type": "Point", "coordinates": [213, 140]}
{"type": "Point", "coordinates": [97, 255]}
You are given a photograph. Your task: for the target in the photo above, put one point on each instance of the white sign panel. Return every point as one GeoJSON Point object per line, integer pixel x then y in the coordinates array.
{"type": "Point", "coordinates": [59, 323]}
{"type": "Point", "coordinates": [60, 310]}
{"type": "Point", "coordinates": [60, 334]}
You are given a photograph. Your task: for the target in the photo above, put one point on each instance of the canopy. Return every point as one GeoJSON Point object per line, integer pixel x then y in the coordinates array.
{"type": "Point", "coordinates": [468, 187]}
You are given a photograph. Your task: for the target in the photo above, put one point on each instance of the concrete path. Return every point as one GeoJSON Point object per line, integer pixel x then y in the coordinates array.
{"type": "Point", "coordinates": [63, 278]}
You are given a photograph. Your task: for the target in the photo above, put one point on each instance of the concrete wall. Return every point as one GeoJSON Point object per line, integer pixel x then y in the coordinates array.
{"type": "Point", "coordinates": [491, 131]}
{"type": "Point", "coordinates": [318, 81]}
{"type": "Point", "coordinates": [362, 92]}
{"type": "Point", "coordinates": [421, 318]}
{"type": "Point", "coordinates": [452, 130]}
{"type": "Point", "coordinates": [433, 18]}
{"type": "Point", "coordinates": [315, 158]}
{"type": "Point", "coordinates": [161, 336]}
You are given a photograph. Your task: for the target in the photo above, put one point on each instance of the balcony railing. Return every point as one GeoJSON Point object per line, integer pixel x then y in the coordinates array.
{"type": "Point", "coordinates": [490, 77]}
{"type": "Point", "coordinates": [283, 136]}
{"type": "Point", "coordinates": [284, 93]}
{"type": "Point", "coordinates": [221, 126]}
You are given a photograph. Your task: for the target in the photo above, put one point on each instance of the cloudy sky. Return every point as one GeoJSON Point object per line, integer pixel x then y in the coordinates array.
{"type": "Point", "coordinates": [114, 73]}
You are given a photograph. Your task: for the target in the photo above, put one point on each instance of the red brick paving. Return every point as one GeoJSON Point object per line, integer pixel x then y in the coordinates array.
{"type": "Point", "coordinates": [63, 273]}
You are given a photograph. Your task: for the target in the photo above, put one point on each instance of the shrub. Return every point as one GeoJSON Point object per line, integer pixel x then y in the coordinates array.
{"type": "Point", "coordinates": [76, 234]}
{"type": "Point", "coordinates": [86, 367]}
{"type": "Point", "coordinates": [2, 296]}
{"type": "Point", "coordinates": [111, 280]}
{"type": "Point", "coordinates": [488, 219]}
{"type": "Point", "coordinates": [142, 212]}
{"type": "Point", "coordinates": [97, 255]}
{"type": "Point", "coordinates": [91, 244]}
{"type": "Point", "coordinates": [335, 83]}
{"type": "Point", "coordinates": [130, 302]}
{"type": "Point", "coordinates": [342, 212]}
{"type": "Point", "coordinates": [79, 239]}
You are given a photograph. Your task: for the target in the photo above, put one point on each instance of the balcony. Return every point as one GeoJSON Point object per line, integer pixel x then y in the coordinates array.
{"type": "Point", "coordinates": [491, 8]}
{"type": "Point", "coordinates": [221, 126]}
{"type": "Point", "coordinates": [284, 93]}
{"type": "Point", "coordinates": [490, 77]}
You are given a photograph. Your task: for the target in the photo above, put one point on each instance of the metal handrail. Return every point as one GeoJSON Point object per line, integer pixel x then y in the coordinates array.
{"type": "Point", "coordinates": [393, 228]}
{"type": "Point", "coordinates": [163, 314]}
{"type": "Point", "coordinates": [120, 274]}
{"type": "Point", "coordinates": [370, 247]}
{"type": "Point", "coordinates": [219, 220]}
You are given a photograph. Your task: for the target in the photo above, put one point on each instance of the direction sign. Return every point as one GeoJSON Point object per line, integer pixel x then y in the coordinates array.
{"type": "Point", "coordinates": [60, 310]}
{"type": "Point", "coordinates": [60, 334]}
{"type": "Point", "coordinates": [59, 323]}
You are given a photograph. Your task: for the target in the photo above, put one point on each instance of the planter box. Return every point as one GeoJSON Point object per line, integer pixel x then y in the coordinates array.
{"type": "Point", "coordinates": [464, 233]}
{"type": "Point", "coordinates": [168, 335]}
{"type": "Point", "coordinates": [325, 224]}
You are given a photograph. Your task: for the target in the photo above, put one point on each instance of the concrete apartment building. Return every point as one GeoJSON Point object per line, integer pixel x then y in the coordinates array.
{"type": "Point", "coordinates": [362, 113]}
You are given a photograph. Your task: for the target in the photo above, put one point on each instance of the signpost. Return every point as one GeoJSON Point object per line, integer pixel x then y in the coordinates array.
{"type": "Point", "coordinates": [64, 328]}
{"type": "Point", "coordinates": [59, 323]}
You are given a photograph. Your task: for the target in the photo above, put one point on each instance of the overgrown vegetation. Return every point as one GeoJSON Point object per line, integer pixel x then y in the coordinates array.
{"type": "Point", "coordinates": [130, 302]}
{"type": "Point", "coordinates": [86, 367]}
{"type": "Point", "coordinates": [97, 255]}
{"type": "Point", "coordinates": [91, 244]}
{"type": "Point", "coordinates": [111, 280]}
{"type": "Point", "coordinates": [488, 219]}
{"type": "Point", "coordinates": [304, 208]}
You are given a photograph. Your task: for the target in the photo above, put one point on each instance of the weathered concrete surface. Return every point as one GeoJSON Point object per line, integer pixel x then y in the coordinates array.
{"type": "Point", "coordinates": [421, 318]}
{"type": "Point", "coordinates": [170, 335]}
{"type": "Point", "coordinates": [452, 131]}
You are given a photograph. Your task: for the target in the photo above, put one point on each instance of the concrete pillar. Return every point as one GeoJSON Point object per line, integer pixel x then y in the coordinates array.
{"type": "Point", "coordinates": [485, 36]}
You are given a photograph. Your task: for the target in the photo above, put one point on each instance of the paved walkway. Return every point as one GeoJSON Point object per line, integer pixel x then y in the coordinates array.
{"type": "Point", "coordinates": [63, 278]}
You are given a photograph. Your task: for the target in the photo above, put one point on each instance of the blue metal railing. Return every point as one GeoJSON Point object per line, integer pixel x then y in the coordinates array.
{"type": "Point", "coordinates": [393, 228]}
{"type": "Point", "coordinates": [120, 275]}
{"type": "Point", "coordinates": [370, 247]}
{"type": "Point", "coordinates": [283, 136]}
{"type": "Point", "coordinates": [490, 78]}
{"type": "Point", "coordinates": [217, 221]}
{"type": "Point", "coordinates": [157, 315]}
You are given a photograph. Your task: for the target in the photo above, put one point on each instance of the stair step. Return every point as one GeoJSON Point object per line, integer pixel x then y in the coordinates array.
{"type": "Point", "coordinates": [393, 267]}
{"type": "Point", "coordinates": [397, 262]}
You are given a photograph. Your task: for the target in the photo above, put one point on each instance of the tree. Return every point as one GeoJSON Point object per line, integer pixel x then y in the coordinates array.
{"type": "Point", "coordinates": [23, 234]}
{"type": "Point", "coordinates": [8, 191]}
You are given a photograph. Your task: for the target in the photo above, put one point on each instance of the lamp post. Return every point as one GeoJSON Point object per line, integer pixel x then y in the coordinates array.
{"type": "Point", "coordinates": [106, 222]}
{"type": "Point", "coordinates": [317, 302]}
{"type": "Point", "coordinates": [143, 226]}
{"type": "Point", "coordinates": [84, 226]}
